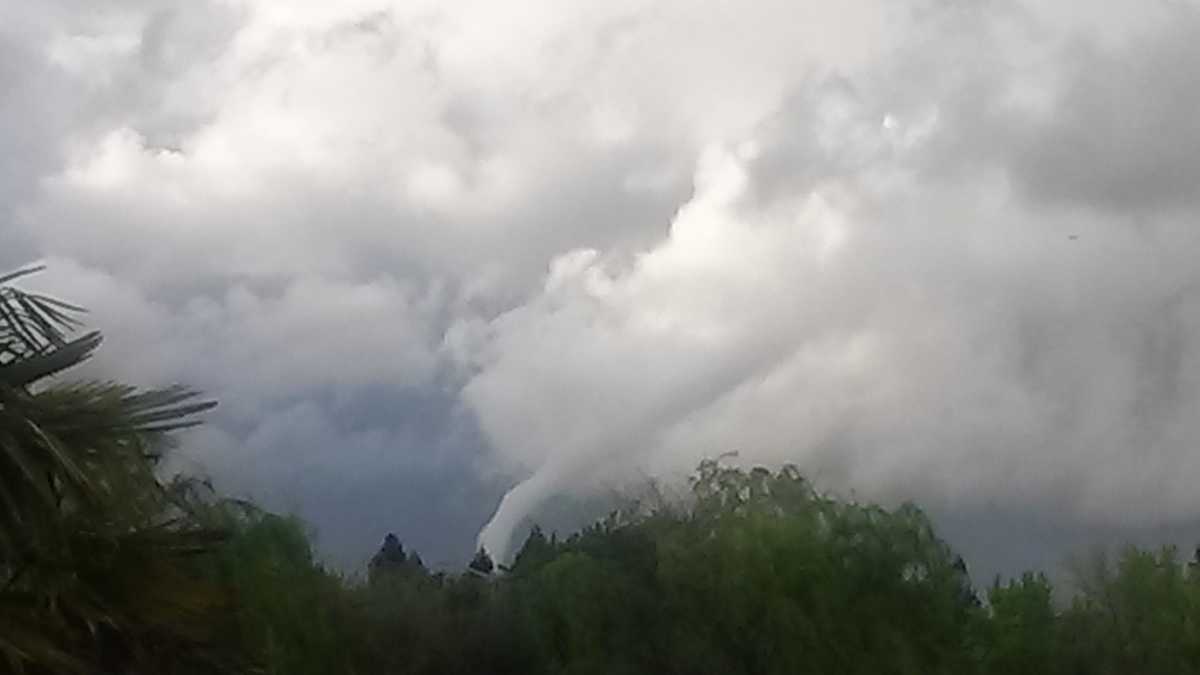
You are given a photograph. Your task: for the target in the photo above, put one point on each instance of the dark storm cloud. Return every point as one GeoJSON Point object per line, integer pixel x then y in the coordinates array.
{"type": "Point", "coordinates": [358, 463]}
{"type": "Point", "coordinates": [1124, 134]}
{"type": "Point", "coordinates": [930, 250]}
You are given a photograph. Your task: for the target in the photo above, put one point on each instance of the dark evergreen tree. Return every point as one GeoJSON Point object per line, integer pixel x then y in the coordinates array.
{"type": "Point", "coordinates": [482, 563]}
{"type": "Point", "coordinates": [392, 560]}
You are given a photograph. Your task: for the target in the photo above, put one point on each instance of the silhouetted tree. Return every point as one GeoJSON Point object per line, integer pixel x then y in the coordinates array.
{"type": "Point", "coordinates": [392, 560]}
{"type": "Point", "coordinates": [482, 563]}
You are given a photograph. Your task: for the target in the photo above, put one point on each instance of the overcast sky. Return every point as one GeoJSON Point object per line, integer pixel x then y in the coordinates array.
{"type": "Point", "coordinates": [449, 263]}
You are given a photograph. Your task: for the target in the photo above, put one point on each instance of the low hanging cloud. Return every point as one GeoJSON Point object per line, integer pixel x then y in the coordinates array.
{"type": "Point", "coordinates": [425, 252]}
{"type": "Point", "coordinates": [1022, 329]}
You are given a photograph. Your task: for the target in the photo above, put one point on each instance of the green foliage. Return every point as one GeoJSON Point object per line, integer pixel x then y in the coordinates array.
{"type": "Point", "coordinates": [760, 575]}
{"type": "Point", "coordinates": [291, 613]}
{"type": "Point", "coordinates": [1022, 631]}
{"type": "Point", "coordinates": [98, 563]}
{"type": "Point", "coordinates": [104, 568]}
{"type": "Point", "coordinates": [1143, 615]}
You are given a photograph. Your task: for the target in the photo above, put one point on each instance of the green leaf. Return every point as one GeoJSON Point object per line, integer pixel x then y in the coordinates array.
{"type": "Point", "coordinates": [26, 371]}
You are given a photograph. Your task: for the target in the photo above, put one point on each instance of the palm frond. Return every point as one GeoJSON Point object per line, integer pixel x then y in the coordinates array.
{"type": "Point", "coordinates": [31, 367]}
{"type": "Point", "coordinates": [97, 555]}
{"type": "Point", "coordinates": [30, 323]}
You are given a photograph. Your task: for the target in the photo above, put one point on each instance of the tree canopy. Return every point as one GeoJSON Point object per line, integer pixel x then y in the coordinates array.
{"type": "Point", "coordinates": [106, 566]}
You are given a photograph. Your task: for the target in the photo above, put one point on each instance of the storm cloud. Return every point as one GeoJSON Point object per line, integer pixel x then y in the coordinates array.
{"type": "Point", "coordinates": [446, 264]}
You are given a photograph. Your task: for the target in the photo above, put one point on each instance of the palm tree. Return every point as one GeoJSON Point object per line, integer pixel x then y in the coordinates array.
{"type": "Point", "coordinates": [98, 558]}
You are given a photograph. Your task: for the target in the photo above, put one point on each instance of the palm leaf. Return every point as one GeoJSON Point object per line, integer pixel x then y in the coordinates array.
{"type": "Point", "coordinates": [96, 554]}
{"type": "Point", "coordinates": [29, 368]}
{"type": "Point", "coordinates": [31, 324]}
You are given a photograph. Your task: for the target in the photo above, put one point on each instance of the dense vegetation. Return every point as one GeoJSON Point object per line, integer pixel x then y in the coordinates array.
{"type": "Point", "coordinates": [107, 568]}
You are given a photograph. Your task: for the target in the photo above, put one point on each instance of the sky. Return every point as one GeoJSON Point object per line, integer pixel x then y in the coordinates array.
{"type": "Point", "coordinates": [452, 267]}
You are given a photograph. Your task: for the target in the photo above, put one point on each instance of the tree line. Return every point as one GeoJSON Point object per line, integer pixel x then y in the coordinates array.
{"type": "Point", "coordinates": [108, 567]}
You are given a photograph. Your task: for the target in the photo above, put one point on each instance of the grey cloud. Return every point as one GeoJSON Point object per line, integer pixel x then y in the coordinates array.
{"type": "Point", "coordinates": [1074, 118]}
{"type": "Point", "coordinates": [245, 285]}
{"type": "Point", "coordinates": [35, 123]}
{"type": "Point", "coordinates": [355, 465]}
{"type": "Point", "coordinates": [417, 255]}
{"type": "Point", "coordinates": [257, 348]}
{"type": "Point", "coordinates": [945, 335]}
{"type": "Point", "coordinates": [1125, 134]}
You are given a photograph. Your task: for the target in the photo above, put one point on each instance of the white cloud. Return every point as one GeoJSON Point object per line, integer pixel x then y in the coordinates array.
{"type": "Point", "coordinates": [626, 235]}
{"type": "Point", "coordinates": [907, 333]}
